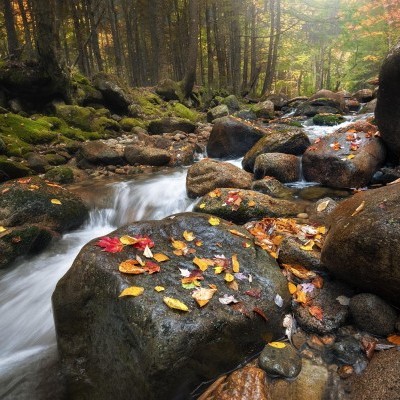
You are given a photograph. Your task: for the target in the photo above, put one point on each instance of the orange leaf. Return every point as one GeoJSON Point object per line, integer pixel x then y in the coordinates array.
{"type": "Point", "coordinates": [203, 263]}
{"type": "Point", "coordinates": [316, 312]}
{"type": "Point", "coordinates": [301, 297]}
{"type": "Point", "coordinates": [177, 244]}
{"type": "Point", "coordinates": [237, 233]}
{"type": "Point", "coordinates": [299, 271]}
{"type": "Point", "coordinates": [395, 339]}
{"type": "Point", "coordinates": [251, 203]}
{"type": "Point", "coordinates": [159, 257]}
{"type": "Point", "coordinates": [292, 288]}
{"type": "Point", "coordinates": [131, 267]}
{"type": "Point", "coordinates": [235, 264]}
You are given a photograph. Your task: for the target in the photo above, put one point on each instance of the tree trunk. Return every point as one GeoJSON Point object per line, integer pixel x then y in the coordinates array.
{"type": "Point", "coordinates": [27, 29]}
{"type": "Point", "coordinates": [235, 49]}
{"type": "Point", "coordinates": [190, 74]}
{"type": "Point", "coordinates": [12, 40]}
{"type": "Point", "coordinates": [210, 53]}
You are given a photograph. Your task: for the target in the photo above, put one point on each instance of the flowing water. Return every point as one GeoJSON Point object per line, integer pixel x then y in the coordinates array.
{"type": "Point", "coordinates": [28, 354]}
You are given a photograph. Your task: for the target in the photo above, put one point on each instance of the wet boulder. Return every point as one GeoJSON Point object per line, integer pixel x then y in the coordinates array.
{"type": "Point", "coordinates": [363, 242]}
{"type": "Point", "coordinates": [232, 137]}
{"type": "Point", "coordinates": [217, 112]}
{"type": "Point", "coordinates": [277, 139]}
{"type": "Point", "coordinates": [145, 155]}
{"type": "Point", "coordinates": [99, 153]}
{"type": "Point", "coordinates": [284, 167]}
{"type": "Point", "coordinates": [271, 186]}
{"type": "Point", "coordinates": [207, 175]}
{"type": "Point", "coordinates": [324, 101]}
{"type": "Point", "coordinates": [12, 169]}
{"type": "Point", "coordinates": [369, 107]}
{"type": "Point", "coordinates": [171, 124]}
{"type": "Point", "coordinates": [364, 95]}
{"type": "Point", "coordinates": [240, 206]}
{"type": "Point", "coordinates": [138, 347]}
{"type": "Point", "coordinates": [279, 100]}
{"type": "Point", "coordinates": [348, 157]}
{"type": "Point", "coordinates": [387, 111]}
{"type": "Point", "coordinates": [264, 110]}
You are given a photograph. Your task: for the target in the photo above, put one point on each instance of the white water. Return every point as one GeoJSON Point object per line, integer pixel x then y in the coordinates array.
{"type": "Point", "coordinates": [27, 341]}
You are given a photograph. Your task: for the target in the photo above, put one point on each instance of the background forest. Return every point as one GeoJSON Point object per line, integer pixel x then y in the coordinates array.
{"type": "Point", "coordinates": [244, 46]}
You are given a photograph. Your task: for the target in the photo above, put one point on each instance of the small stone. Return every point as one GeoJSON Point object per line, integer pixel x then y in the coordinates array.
{"type": "Point", "coordinates": [299, 339]}
{"type": "Point", "coordinates": [284, 362]}
{"type": "Point", "coordinates": [348, 351]}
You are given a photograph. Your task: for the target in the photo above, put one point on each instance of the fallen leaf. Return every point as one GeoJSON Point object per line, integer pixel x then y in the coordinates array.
{"type": "Point", "coordinates": [202, 205]}
{"type": "Point", "coordinates": [359, 209]}
{"type": "Point", "coordinates": [215, 193]}
{"type": "Point", "coordinates": [343, 300]}
{"type": "Point", "coordinates": [175, 304]}
{"type": "Point", "coordinates": [159, 257]}
{"type": "Point", "coordinates": [299, 271]}
{"type": "Point", "coordinates": [214, 221]}
{"type": "Point", "coordinates": [132, 291]}
{"type": "Point", "coordinates": [290, 324]}
{"type": "Point", "coordinates": [322, 206]}
{"type": "Point", "coordinates": [395, 339]}
{"type": "Point", "coordinates": [229, 277]}
{"type": "Point", "coordinates": [256, 293]}
{"type": "Point", "coordinates": [235, 264]}
{"type": "Point", "coordinates": [198, 243]}
{"type": "Point", "coordinates": [335, 146]}
{"type": "Point", "coordinates": [316, 312]}
{"type": "Point", "coordinates": [237, 233]}
{"type": "Point", "coordinates": [277, 345]}
{"type": "Point", "coordinates": [203, 296]}
{"type": "Point", "coordinates": [189, 236]}
{"type": "Point", "coordinates": [369, 344]}
{"type": "Point", "coordinates": [184, 272]}
{"type": "Point", "coordinates": [292, 288]}
{"type": "Point", "coordinates": [128, 240]}
{"type": "Point", "coordinates": [131, 267]}
{"type": "Point", "coordinates": [318, 282]}
{"type": "Point", "coordinates": [159, 289]}
{"type": "Point", "coordinates": [110, 245]}
{"type": "Point", "coordinates": [251, 203]}
{"type": "Point", "coordinates": [23, 181]}
{"type": "Point", "coordinates": [307, 287]}
{"type": "Point", "coordinates": [260, 313]}
{"type": "Point", "coordinates": [33, 187]}
{"type": "Point", "coordinates": [240, 307]}
{"type": "Point", "coordinates": [350, 156]}
{"type": "Point", "coordinates": [246, 245]}
{"type": "Point", "coordinates": [203, 263]}
{"type": "Point", "coordinates": [308, 246]}
{"type": "Point", "coordinates": [55, 201]}
{"type": "Point", "coordinates": [233, 285]}
{"type": "Point", "coordinates": [2, 229]}
{"type": "Point", "coordinates": [142, 242]}
{"type": "Point", "coordinates": [227, 299]}
{"type": "Point", "coordinates": [278, 300]}
{"type": "Point", "coordinates": [300, 297]}
{"type": "Point", "coordinates": [151, 267]}
{"type": "Point", "coordinates": [147, 252]}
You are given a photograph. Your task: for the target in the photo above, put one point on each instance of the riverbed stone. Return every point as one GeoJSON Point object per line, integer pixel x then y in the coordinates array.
{"type": "Point", "coordinates": [207, 175]}
{"type": "Point", "coordinates": [278, 138]}
{"type": "Point", "coordinates": [372, 314]}
{"type": "Point", "coordinates": [148, 343]}
{"type": "Point", "coordinates": [217, 112]}
{"type": "Point", "coordinates": [251, 205]}
{"type": "Point", "coordinates": [10, 169]}
{"type": "Point", "coordinates": [171, 124]}
{"type": "Point", "coordinates": [280, 361]}
{"type": "Point", "coordinates": [146, 155]}
{"type": "Point", "coordinates": [264, 109]}
{"type": "Point", "coordinates": [232, 137]}
{"type": "Point", "coordinates": [346, 158]}
{"type": "Point", "coordinates": [348, 351]}
{"type": "Point", "coordinates": [97, 152]}
{"type": "Point", "coordinates": [284, 167]}
{"type": "Point", "coordinates": [272, 187]}
{"type": "Point", "coordinates": [363, 242]}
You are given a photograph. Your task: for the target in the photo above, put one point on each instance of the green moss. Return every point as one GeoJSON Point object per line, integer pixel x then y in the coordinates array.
{"type": "Point", "coordinates": [15, 146]}
{"type": "Point", "coordinates": [55, 159]}
{"type": "Point", "coordinates": [182, 111]}
{"type": "Point", "coordinates": [328, 119]}
{"type": "Point", "coordinates": [60, 175]}
{"type": "Point", "coordinates": [13, 169]}
{"type": "Point", "coordinates": [128, 124]}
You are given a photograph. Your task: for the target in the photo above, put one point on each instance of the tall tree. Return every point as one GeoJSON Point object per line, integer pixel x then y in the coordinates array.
{"type": "Point", "coordinates": [12, 39]}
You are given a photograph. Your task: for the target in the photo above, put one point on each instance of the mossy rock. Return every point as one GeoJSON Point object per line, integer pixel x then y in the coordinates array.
{"type": "Point", "coordinates": [232, 102]}
{"type": "Point", "coordinates": [12, 169]}
{"type": "Point", "coordinates": [170, 90]}
{"type": "Point", "coordinates": [55, 159]}
{"type": "Point", "coordinates": [147, 105]}
{"type": "Point", "coordinates": [16, 147]}
{"type": "Point", "coordinates": [3, 147]}
{"type": "Point", "coordinates": [60, 175]}
{"type": "Point", "coordinates": [182, 111]}
{"type": "Point", "coordinates": [26, 129]}
{"type": "Point", "coordinates": [328, 119]}
{"type": "Point", "coordinates": [127, 124]}
{"type": "Point", "coordinates": [16, 242]}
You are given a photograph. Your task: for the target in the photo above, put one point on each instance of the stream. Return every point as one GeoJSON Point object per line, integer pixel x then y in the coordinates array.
{"type": "Point", "coordinates": [28, 353]}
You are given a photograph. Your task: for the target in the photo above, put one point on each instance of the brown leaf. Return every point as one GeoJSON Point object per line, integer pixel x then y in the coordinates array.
{"type": "Point", "coordinates": [256, 293]}
{"type": "Point", "coordinates": [240, 307]}
{"type": "Point", "coordinates": [260, 313]}
{"type": "Point", "coordinates": [316, 312]}
{"type": "Point", "coordinates": [300, 271]}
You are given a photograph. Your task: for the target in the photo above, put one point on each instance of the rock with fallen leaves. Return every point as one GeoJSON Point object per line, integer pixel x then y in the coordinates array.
{"type": "Point", "coordinates": [240, 206]}
{"type": "Point", "coordinates": [279, 138]}
{"type": "Point", "coordinates": [346, 158]}
{"type": "Point", "coordinates": [284, 167]}
{"type": "Point", "coordinates": [272, 187]}
{"type": "Point", "coordinates": [209, 304]}
{"type": "Point", "coordinates": [232, 137]}
{"type": "Point", "coordinates": [320, 211]}
{"type": "Point", "coordinates": [32, 212]}
{"type": "Point", "coordinates": [381, 378]}
{"type": "Point", "coordinates": [362, 247]}
{"type": "Point", "coordinates": [207, 175]}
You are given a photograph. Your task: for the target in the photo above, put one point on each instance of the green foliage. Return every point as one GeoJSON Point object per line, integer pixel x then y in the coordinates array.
{"type": "Point", "coordinates": [328, 119]}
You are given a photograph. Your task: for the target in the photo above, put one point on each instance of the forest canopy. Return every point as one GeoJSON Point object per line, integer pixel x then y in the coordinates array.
{"type": "Point", "coordinates": [244, 46]}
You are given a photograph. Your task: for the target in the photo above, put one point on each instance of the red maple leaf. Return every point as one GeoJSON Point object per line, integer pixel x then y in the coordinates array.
{"type": "Point", "coordinates": [110, 245]}
{"type": "Point", "coordinates": [143, 241]}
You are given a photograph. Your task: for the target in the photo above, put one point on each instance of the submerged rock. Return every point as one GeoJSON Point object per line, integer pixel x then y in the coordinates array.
{"type": "Point", "coordinates": [137, 347]}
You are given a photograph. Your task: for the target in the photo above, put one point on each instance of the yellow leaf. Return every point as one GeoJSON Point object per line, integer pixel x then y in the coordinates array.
{"type": "Point", "coordinates": [322, 206]}
{"type": "Point", "coordinates": [202, 205]}
{"type": "Point", "coordinates": [2, 229]}
{"type": "Point", "coordinates": [128, 240]}
{"type": "Point", "coordinates": [229, 277]}
{"type": "Point", "coordinates": [301, 297]}
{"type": "Point", "coordinates": [350, 156]}
{"type": "Point", "coordinates": [214, 221]}
{"type": "Point", "coordinates": [131, 267]}
{"type": "Point", "coordinates": [203, 296]}
{"type": "Point", "coordinates": [218, 270]}
{"type": "Point", "coordinates": [358, 209]}
{"type": "Point", "coordinates": [55, 201]}
{"type": "Point", "coordinates": [159, 257]}
{"type": "Point", "coordinates": [251, 203]}
{"type": "Point", "coordinates": [178, 252]}
{"type": "Point", "coordinates": [235, 264]}
{"type": "Point", "coordinates": [237, 233]}
{"type": "Point", "coordinates": [159, 288]}
{"type": "Point", "coordinates": [175, 304]}
{"type": "Point", "coordinates": [277, 345]}
{"type": "Point", "coordinates": [274, 254]}
{"type": "Point", "coordinates": [292, 288]}
{"type": "Point", "coordinates": [203, 263]}
{"type": "Point", "coordinates": [189, 236]}
{"type": "Point", "coordinates": [215, 193]}
{"type": "Point", "coordinates": [299, 271]}
{"type": "Point", "coordinates": [198, 243]}
{"type": "Point", "coordinates": [132, 291]}
{"type": "Point", "coordinates": [179, 245]}
{"type": "Point", "coordinates": [321, 230]}
{"type": "Point", "coordinates": [308, 246]}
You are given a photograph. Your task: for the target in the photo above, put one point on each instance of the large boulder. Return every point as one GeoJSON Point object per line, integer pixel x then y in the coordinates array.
{"type": "Point", "coordinates": [279, 138]}
{"type": "Point", "coordinates": [145, 155]}
{"type": "Point", "coordinates": [232, 137]}
{"type": "Point", "coordinates": [240, 205]}
{"type": "Point", "coordinates": [97, 152]}
{"type": "Point", "coordinates": [387, 110]}
{"type": "Point", "coordinates": [363, 242]}
{"type": "Point", "coordinates": [364, 95]}
{"type": "Point", "coordinates": [264, 109]}
{"type": "Point", "coordinates": [171, 124]}
{"type": "Point", "coordinates": [346, 158]}
{"type": "Point", "coordinates": [324, 101]}
{"type": "Point", "coordinates": [12, 169]}
{"type": "Point", "coordinates": [207, 175]}
{"type": "Point", "coordinates": [137, 347]}
{"type": "Point", "coordinates": [284, 167]}
{"type": "Point", "coordinates": [217, 112]}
